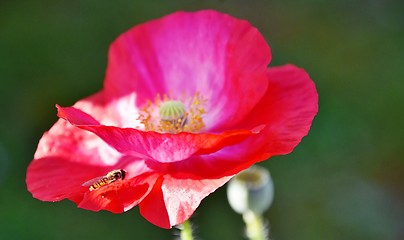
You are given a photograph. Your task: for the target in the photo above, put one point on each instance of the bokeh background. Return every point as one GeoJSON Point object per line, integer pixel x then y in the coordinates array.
{"type": "Point", "coordinates": [344, 181]}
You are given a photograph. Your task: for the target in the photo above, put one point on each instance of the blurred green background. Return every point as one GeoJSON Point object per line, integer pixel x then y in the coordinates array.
{"type": "Point", "coordinates": [344, 181]}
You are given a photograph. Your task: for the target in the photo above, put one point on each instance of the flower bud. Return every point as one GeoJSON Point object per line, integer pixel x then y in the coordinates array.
{"type": "Point", "coordinates": [251, 190]}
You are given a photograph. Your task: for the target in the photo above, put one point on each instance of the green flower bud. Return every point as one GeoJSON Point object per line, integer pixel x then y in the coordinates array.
{"type": "Point", "coordinates": [251, 190]}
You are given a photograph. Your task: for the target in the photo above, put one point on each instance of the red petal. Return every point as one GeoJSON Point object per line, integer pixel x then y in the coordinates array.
{"type": "Point", "coordinates": [221, 57]}
{"type": "Point", "coordinates": [161, 147]}
{"type": "Point", "coordinates": [73, 144]}
{"type": "Point", "coordinates": [172, 201]}
{"type": "Point", "coordinates": [287, 110]}
{"type": "Point", "coordinates": [183, 196]}
{"type": "Point", "coordinates": [57, 178]}
{"type": "Point", "coordinates": [118, 196]}
{"type": "Point", "coordinates": [153, 207]}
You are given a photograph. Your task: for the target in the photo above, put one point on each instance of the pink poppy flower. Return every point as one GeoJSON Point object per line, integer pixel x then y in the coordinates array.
{"type": "Point", "coordinates": [188, 101]}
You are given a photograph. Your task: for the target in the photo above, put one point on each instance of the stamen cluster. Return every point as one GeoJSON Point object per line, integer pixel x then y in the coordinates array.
{"type": "Point", "coordinates": [173, 116]}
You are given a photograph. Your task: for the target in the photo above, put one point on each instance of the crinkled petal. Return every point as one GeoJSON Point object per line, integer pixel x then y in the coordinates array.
{"type": "Point", "coordinates": [221, 57]}
{"type": "Point", "coordinates": [56, 178]}
{"type": "Point", "coordinates": [153, 208]}
{"type": "Point", "coordinates": [118, 196]}
{"type": "Point", "coordinates": [72, 143]}
{"type": "Point", "coordinates": [163, 148]}
{"type": "Point", "coordinates": [287, 111]}
{"type": "Point", "coordinates": [174, 200]}
{"type": "Point", "coordinates": [216, 165]}
{"type": "Point", "coordinates": [183, 196]}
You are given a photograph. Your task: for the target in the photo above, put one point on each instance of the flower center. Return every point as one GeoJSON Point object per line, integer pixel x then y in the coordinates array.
{"type": "Point", "coordinates": [173, 116]}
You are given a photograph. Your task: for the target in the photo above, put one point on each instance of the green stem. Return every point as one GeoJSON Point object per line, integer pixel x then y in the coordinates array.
{"type": "Point", "coordinates": [255, 229]}
{"type": "Point", "coordinates": [186, 231]}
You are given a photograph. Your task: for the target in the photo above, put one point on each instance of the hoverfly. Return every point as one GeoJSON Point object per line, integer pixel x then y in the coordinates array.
{"type": "Point", "coordinates": [110, 177]}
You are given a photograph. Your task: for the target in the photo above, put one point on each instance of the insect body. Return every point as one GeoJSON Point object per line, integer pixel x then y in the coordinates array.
{"type": "Point", "coordinates": [110, 177]}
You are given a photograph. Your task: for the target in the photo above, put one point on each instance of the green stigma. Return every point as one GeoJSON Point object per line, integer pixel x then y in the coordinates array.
{"type": "Point", "coordinates": [172, 111]}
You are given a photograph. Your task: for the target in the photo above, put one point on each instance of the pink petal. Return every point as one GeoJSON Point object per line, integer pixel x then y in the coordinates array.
{"type": "Point", "coordinates": [173, 201]}
{"type": "Point", "coordinates": [57, 178]}
{"type": "Point", "coordinates": [183, 196]}
{"type": "Point", "coordinates": [287, 110]}
{"type": "Point", "coordinates": [221, 57]}
{"type": "Point", "coordinates": [153, 208]}
{"type": "Point", "coordinates": [72, 143]}
{"type": "Point", "coordinates": [163, 148]}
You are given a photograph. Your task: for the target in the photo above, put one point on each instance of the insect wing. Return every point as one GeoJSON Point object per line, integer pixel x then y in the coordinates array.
{"type": "Point", "coordinates": [92, 181]}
